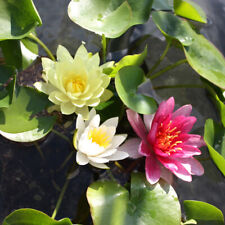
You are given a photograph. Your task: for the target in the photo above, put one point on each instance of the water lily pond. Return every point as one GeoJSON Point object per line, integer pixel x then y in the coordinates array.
{"type": "Point", "coordinates": [112, 112]}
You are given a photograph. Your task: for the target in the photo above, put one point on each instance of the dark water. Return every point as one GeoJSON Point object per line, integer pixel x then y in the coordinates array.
{"type": "Point", "coordinates": [26, 180]}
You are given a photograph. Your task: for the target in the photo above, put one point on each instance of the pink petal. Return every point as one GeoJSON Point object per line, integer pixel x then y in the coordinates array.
{"type": "Point", "coordinates": [148, 121]}
{"type": "Point", "coordinates": [165, 108]}
{"type": "Point", "coordinates": [166, 175]}
{"type": "Point", "coordinates": [183, 174]}
{"type": "Point", "coordinates": [152, 170]}
{"type": "Point", "coordinates": [131, 146]}
{"type": "Point", "coordinates": [184, 124]}
{"type": "Point", "coordinates": [194, 140]}
{"type": "Point", "coordinates": [193, 166]}
{"type": "Point", "coordinates": [168, 163]}
{"type": "Point", "coordinates": [182, 111]}
{"type": "Point", "coordinates": [152, 133]}
{"type": "Point", "coordinates": [144, 149]}
{"type": "Point", "coordinates": [137, 124]}
{"type": "Point", "coordinates": [186, 152]}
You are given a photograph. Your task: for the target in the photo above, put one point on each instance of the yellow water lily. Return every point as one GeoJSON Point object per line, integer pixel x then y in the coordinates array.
{"type": "Point", "coordinates": [73, 84]}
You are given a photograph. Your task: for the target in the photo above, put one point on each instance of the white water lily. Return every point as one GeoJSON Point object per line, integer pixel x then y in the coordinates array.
{"type": "Point", "coordinates": [73, 84]}
{"type": "Point", "coordinates": [97, 144]}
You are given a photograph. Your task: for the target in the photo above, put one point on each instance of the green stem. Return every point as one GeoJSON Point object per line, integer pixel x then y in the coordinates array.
{"type": "Point", "coordinates": [104, 48]}
{"type": "Point", "coordinates": [160, 58]}
{"type": "Point", "coordinates": [170, 67]}
{"type": "Point", "coordinates": [66, 160]}
{"type": "Point", "coordinates": [180, 86]}
{"type": "Point", "coordinates": [33, 37]}
{"type": "Point", "coordinates": [39, 150]}
{"type": "Point", "coordinates": [62, 136]}
{"type": "Point", "coordinates": [60, 199]}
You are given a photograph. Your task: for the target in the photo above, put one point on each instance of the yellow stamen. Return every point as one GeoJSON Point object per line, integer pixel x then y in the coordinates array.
{"type": "Point", "coordinates": [75, 85]}
{"type": "Point", "coordinates": [99, 136]}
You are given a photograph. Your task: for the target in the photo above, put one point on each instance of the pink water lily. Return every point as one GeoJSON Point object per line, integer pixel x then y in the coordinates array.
{"type": "Point", "coordinates": [165, 142]}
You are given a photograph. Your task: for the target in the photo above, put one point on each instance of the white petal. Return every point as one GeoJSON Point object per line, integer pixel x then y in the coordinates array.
{"type": "Point", "coordinates": [112, 122]}
{"type": "Point", "coordinates": [107, 153]}
{"type": "Point", "coordinates": [47, 64]}
{"type": "Point", "coordinates": [99, 165]}
{"type": "Point", "coordinates": [67, 108]}
{"type": "Point", "coordinates": [131, 146]}
{"type": "Point", "coordinates": [95, 121]}
{"type": "Point", "coordinates": [63, 54]}
{"type": "Point", "coordinates": [80, 123]}
{"type": "Point", "coordinates": [78, 103]}
{"type": "Point", "coordinates": [119, 155]}
{"type": "Point", "coordinates": [53, 99]}
{"type": "Point", "coordinates": [98, 159]}
{"type": "Point", "coordinates": [94, 61]}
{"type": "Point", "coordinates": [98, 92]}
{"type": "Point", "coordinates": [93, 102]}
{"type": "Point", "coordinates": [81, 158]}
{"type": "Point", "coordinates": [118, 140]}
{"type": "Point", "coordinates": [61, 97]}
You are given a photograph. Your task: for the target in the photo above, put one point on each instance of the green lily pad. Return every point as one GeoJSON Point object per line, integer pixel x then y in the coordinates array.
{"type": "Point", "coordinates": [32, 217]}
{"type": "Point", "coordinates": [174, 27]}
{"type": "Point", "coordinates": [146, 204]}
{"type": "Point", "coordinates": [162, 5]}
{"type": "Point", "coordinates": [17, 19]}
{"type": "Point", "coordinates": [109, 17]}
{"type": "Point", "coordinates": [19, 53]}
{"type": "Point", "coordinates": [203, 213]}
{"type": "Point", "coordinates": [214, 136]}
{"type": "Point", "coordinates": [129, 60]}
{"type": "Point", "coordinates": [190, 10]}
{"type": "Point", "coordinates": [206, 60]}
{"type": "Point", "coordinates": [127, 81]}
{"type": "Point", "coordinates": [19, 122]}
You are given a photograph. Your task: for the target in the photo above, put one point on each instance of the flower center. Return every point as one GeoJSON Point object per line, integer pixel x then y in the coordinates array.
{"type": "Point", "coordinates": [99, 136]}
{"type": "Point", "coordinates": [75, 85]}
{"type": "Point", "coordinates": [167, 138]}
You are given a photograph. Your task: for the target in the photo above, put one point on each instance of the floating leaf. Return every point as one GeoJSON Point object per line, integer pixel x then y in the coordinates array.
{"type": "Point", "coordinates": [174, 27]}
{"type": "Point", "coordinates": [147, 204]}
{"type": "Point", "coordinates": [17, 20]}
{"type": "Point", "coordinates": [17, 54]}
{"type": "Point", "coordinates": [214, 136]}
{"type": "Point", "coordinates": [190, 10]}
{"type": "Point", "coordinates": [129, 60]}
{"type": "Point", "coordinates": [109, 17]}
{"type": "Point", "coordinates": [127, 81]}
{"type": "Point", "coordinates": [162, 5]}
{"type": "Point", "coordinates": [32, 217]}
{"type": "Point", "coordinates": [202, 56]}
{"type": "Point", "coordinates": [206, 60]}
{"type": "Point", "coordinates": [19, 121]}
{"type": "Point", "coordinates": [5, 73]}
{"type": "Point", "coordinates": [203, 213]}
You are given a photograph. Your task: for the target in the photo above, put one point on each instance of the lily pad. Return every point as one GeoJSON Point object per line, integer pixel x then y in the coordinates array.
{"type": "Point", "coordinates": [19, 122]}
{"type": "Point", "coordinates": [19, 53]}
{"type": "Point", "coordinates": [190, 10]}
{"type": "Point", "coordinates": [214, 136]}
{"type": "Point", "coordinates": [127, 82]}
{"type": "Point", "coordinates": [163, 5]}
{"type": "Point", "coordinates": [203, 213]}
{"type": "Point", "coordinates": [109, 17]}
{"type": "Point", "coordinates": [129, 60]}
{"type": "Point", "coordinates": [174, 27]}
{"type": "Point", "coordinates": [146, 204]}
{"type": "Point", "coordinates": [32, 217]}
{"type": "Point", "coordinates": [206, 60]}
{"type": "Point", "coordinates": [17, 19]}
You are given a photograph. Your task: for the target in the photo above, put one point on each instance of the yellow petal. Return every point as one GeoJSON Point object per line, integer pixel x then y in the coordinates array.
{"type": "Point", "coordinates": [107, 94]}
{"type": "Point", "coordinates": [63, 54]}
{"type": "Point", "coordinates": [84, 112]}
{"type": "Point", "coordinates": [67, 108]}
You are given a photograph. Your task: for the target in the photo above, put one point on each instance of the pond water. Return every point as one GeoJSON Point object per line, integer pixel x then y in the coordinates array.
{"type": "Point", "coordinates": [28, 180]}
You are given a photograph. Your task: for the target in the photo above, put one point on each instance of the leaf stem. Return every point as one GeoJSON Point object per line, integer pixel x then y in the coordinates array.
{"type": "Point", "coordinates": [60, 198]}
{"type": "Point", "coordinates": [62, 136]}
{"type": "Point", "coordinates": [170, 67]}
{"type": "Point", "coordinates": [180, 86]}
{"type": "Point", "coordinates": [39, 150]}
{"type": "Point", "coordinates": [104, 48]}
{"type": "Point", "coordinates": [160, 58]}
{"type": "Point", "coordinates": [35, 38]}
